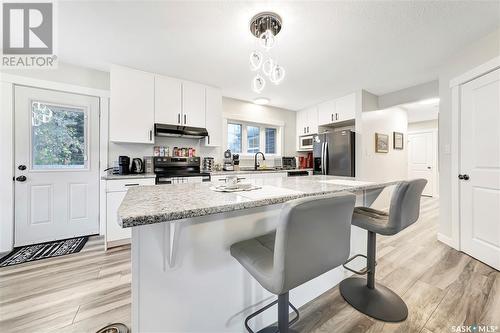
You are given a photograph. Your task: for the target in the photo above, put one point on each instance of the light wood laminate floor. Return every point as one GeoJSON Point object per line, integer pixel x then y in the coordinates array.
{"type": "Point", "coordinates": [86, 291]}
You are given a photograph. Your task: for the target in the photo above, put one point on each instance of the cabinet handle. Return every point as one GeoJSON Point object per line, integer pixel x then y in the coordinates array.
{"type": "Point", "coordinates": [307, 129]}
{"type": "Point", "coordinates": [178, 118]}
{"type": "Point", "coordinates": [209, 139]}
{"type": "Point", "coordinates": [337, 116]}
{"type": "Point", "coordinates": [304, 130]}
{"type": "Point", "coordinates": [150, 135]}
{"type": "Point", "coordinates": [131, 184]}
{"type": "Point", "coordinates": [332, 116]}
{"type": "Point", "coordinates": [184, 119]}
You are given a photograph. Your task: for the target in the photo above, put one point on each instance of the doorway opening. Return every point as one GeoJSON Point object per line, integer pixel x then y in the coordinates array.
{"type": "Point", "coordinates": [422, 143]}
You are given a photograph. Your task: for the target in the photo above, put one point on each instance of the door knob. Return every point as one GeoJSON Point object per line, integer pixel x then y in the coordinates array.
{"type": "Point", "coordinates": [466, 177]}
{"type": "Point", "coordinates": [460, 177]}
{"type": "Point", "coordinates": [21, 178]}
{"type": "Point", "coordinates": [429, 167]}
{"type": "Point", "coordinates": [22, 167]}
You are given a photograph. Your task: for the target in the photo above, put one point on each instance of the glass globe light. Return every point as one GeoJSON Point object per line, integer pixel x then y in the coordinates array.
{"type": "Point", "coordinates": [258, 83]}
{"type": "Point", "coordinates": [267, 39]}
{"type": "Point", "coordinates": [255, 60]}
{"type": "Point", "coordinates": [277, 74]}
{"type": "Point", "coordinates": [267, 66]}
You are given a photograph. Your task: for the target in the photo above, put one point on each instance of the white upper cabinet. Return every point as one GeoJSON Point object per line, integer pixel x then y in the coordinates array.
{"type": "Point", "coordinates": [193, 104]}
{"type": "Point", "coordinates": [307, 121]}
{"type": "Point", "coordinates": [346, 107]}
{"type": "Point", "coordinates": [213, 115]}
{"type": "Point", "coordinates": [168, 100]}
{"type": "Point", "coordinates": [312, 120]}
{"type": "Point", "coordinates": [132, 109]}
{"type": "Point", "coordinates": [301, 121]}
{"type": "Point", "coordinates": [326, 113]}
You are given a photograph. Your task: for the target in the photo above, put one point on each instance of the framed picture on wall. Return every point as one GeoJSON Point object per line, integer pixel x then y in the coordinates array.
{"type": "Point", "coordinates": [397, 140]}
{"type": "Point", "coordinates": [381, 143]}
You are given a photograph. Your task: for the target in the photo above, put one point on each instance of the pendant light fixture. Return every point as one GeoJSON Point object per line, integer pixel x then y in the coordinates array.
{"type": "Point", "coordinates": [265, 27]}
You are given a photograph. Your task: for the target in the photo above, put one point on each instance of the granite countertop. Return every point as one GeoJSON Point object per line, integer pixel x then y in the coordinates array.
{"type": "Point", "coordinates": [161, 203]}
{"type": "Point", "coordinates": [129, 176]}
{"type": "Point", "coordinates": [246, 172]}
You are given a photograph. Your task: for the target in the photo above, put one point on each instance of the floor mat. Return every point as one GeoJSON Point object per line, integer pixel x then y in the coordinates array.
{"type": "Point", "coordinates": [43, 251]}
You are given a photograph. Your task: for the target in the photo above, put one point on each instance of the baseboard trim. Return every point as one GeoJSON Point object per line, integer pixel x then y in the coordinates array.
{"type": "Point", "coordinates": [118, 243]}
{"type": "Point", "coordinates": [446, 240]}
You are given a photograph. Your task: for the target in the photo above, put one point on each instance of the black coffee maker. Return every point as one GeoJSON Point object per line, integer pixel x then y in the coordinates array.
{"type": "Point", "coordinates": [123, 165]}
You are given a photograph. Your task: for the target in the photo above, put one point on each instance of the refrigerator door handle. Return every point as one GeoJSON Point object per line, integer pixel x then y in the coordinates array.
{"type": "Point", "coordinates": [326, 158]}
{"type": "Point", "coordinates": [322, 158]}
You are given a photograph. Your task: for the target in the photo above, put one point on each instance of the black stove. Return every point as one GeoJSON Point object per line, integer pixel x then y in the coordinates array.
{"type": "Point", "coordinates": [177, 170]}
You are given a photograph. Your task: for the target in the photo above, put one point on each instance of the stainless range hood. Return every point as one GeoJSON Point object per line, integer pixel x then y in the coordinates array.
{"type": "Point", "coordinates": [180, 131]}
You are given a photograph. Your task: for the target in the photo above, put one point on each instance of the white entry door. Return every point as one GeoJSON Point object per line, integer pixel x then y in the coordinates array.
{"type": "Point", "coordinates": [422, 160]}
{"type": "Point", "coordinates": [480, 169]}
{"type": "Point", "coordinates": [57, 165]}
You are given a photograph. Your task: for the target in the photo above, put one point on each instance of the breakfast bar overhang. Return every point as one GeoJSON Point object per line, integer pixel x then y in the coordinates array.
{"type": "Point", "coordinates": [183, 276]}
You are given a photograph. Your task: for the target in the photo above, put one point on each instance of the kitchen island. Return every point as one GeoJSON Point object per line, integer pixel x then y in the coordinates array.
{"type": "Point", "coordinates": [183, 277]}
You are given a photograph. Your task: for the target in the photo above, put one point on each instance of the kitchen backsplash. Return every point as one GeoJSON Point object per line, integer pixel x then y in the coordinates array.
{"type": "Point", "coordinates": [140, 150]}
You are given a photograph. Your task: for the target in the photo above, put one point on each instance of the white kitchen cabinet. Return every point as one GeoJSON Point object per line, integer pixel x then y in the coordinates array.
{"type": "Point", "coordinates": [168, 100]}
{"type": "Point", "coordinates": [115, 192]}
{"type": "Point", "coordinates": [326, 113]}
{"type": "Point", "coordinates": [213, 116]}
{"type": "Point", "coordinates": [312, 120]}
{"type": "Point", "coordinates": [193, 104]}
{"type": "Point", "coordinates": [301, 120]}
{"type": "Point", "coordinates": [345, 107]}
{"type": "Point", "coordinates": [132, 113]}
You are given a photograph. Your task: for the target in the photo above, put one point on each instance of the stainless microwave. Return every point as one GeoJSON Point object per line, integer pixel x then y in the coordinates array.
{"type": "Point", "coordinates": [306, 142]}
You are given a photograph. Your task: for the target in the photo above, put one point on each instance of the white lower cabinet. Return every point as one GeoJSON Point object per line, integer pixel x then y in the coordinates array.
{"type": "Point", "coordinates": [115, 192]}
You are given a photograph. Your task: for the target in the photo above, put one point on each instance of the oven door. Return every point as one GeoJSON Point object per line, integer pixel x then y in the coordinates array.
{"type": "Point", "coordinates": [306, 142]}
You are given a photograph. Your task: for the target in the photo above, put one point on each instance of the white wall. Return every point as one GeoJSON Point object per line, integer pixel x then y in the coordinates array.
{"type": "Point", "coordinates": [409, 95]}
{"type": "Point", "coordinates": [423, 125]}
{"type": "Point", "coordinates": [383, 166]}
{"type": "Point", "coordinates": [66, 73]}
{"type": "Point", "coordinates": [469, 57]}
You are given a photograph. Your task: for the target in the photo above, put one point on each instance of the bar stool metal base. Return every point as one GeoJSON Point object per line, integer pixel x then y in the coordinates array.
{"type": "Point", "coordinates": [380, 302]}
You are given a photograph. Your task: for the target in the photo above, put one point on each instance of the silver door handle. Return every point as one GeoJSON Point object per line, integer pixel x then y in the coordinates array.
{"type": "Point", "coordinates": [326, 158]}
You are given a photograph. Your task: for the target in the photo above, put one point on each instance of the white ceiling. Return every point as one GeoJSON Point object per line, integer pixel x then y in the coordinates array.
{"type": "Point", "coordinates": [327, 48]}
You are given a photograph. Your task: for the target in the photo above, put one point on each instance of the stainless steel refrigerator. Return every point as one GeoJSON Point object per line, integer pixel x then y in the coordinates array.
{"type": "Point", "coordinates": [333, 153]}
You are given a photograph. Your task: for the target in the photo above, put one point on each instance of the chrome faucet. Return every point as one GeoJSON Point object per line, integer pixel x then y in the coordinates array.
{"type": "Point", "coordinates": [256, 164]}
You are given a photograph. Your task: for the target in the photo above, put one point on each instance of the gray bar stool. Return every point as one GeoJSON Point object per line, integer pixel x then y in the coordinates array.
{"type": "Point", "coordinates": [312, 237]}
{"type": "Point", "coordinates": [368, 297]}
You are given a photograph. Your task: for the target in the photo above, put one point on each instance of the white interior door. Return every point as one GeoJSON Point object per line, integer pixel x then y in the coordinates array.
{"type": "Point", "coordinates": [421, 159]}
{"type": "Point", "coordinates": [56, 165]}
{"type": "Point", "coordinates": [480, 169]}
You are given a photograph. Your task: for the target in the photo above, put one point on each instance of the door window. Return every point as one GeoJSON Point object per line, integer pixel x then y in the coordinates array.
{"type": "Point", "coordinates": [58, 137]}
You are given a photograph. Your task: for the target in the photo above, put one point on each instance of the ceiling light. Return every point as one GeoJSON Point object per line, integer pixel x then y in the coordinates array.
{"type": "Point", "coordinates": [264, 27]}
{"type": "Point", "coordinates": [430, 101]}
{"type": "Point", "coordinates": [258, 83]}
{"type": "Point", "coordinates": [261, 101]}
